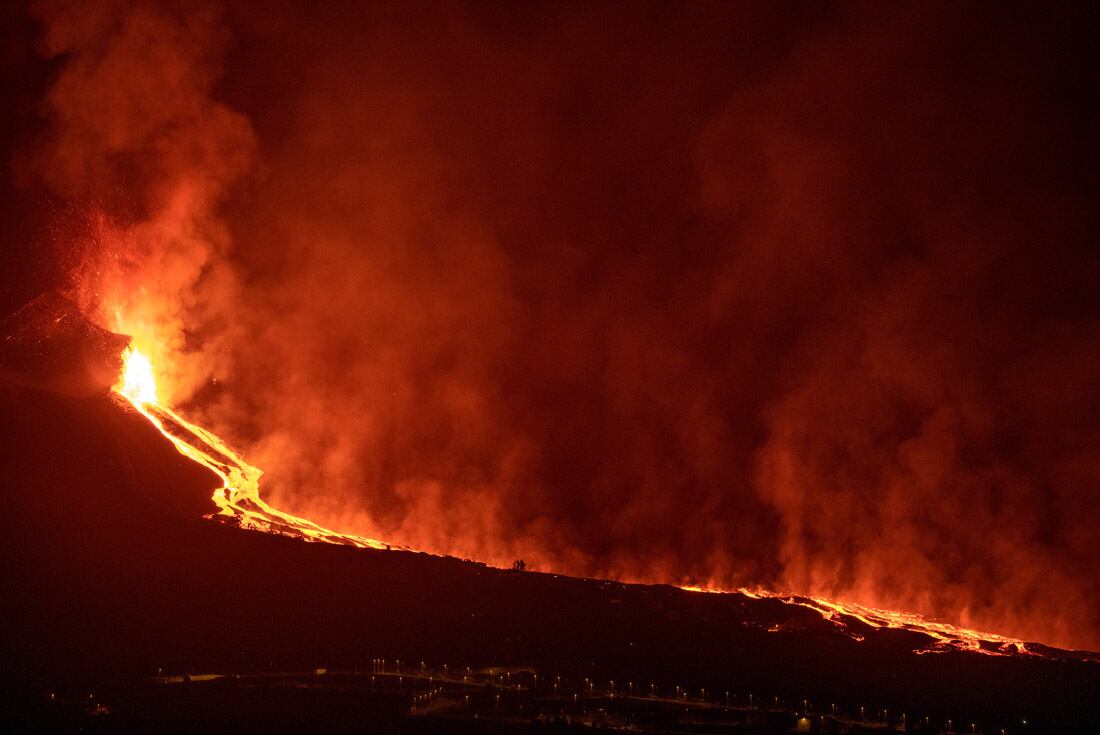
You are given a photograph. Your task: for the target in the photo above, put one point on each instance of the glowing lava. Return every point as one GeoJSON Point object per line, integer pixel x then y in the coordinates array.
{"type": "Point", "coordinates": [944, 636]}
{"type": "Point", "coordinates": [238, 499]}
{"type": "Point", "coordinates": [137, 382]}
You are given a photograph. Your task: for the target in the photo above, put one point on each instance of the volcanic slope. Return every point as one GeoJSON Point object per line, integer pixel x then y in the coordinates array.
{"type": "Point", "coordinates": [112, 572]}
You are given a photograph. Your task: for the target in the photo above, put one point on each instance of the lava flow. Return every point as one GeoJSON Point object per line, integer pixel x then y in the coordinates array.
{"type": "Point", "coordinates": [238, 499]}
{"type": "Point", "coordinates": [944, 637]}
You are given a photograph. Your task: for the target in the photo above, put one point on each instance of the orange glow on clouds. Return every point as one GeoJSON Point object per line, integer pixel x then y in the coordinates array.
{"type": "Point", "coordinates": [454, 306]}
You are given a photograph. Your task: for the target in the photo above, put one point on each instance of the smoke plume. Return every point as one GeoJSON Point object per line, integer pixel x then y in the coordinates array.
{"type": "Point", "coordinates": [709, 294]}
{"type": "Point", "coordinates": [141, 154]}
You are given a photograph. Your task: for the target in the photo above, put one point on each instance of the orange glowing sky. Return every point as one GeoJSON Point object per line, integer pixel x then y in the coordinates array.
{"type": "Point", "coordinates": [729, 296]}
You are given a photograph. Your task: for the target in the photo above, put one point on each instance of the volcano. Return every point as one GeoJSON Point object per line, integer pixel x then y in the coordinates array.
{"type": "Point", "coordinates": [118, 581]}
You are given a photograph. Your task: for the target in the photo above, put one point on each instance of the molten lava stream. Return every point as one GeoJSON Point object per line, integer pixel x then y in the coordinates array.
{"type": "Point", "coordinates": [238, 499]}
{"type": "Point", "coordinates": [239, 502]}
{"type": "Point", "coordinates": [944, 636]}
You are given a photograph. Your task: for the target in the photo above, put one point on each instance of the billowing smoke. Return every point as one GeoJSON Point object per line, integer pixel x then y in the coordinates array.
{"type": "Point", "coordinates": [700, 294]}
{"type": "Point", "coordinates": [141, 154]}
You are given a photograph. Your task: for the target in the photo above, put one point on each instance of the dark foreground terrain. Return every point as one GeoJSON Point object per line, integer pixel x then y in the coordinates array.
{"type": "Point", "coordinates": [118, 598]}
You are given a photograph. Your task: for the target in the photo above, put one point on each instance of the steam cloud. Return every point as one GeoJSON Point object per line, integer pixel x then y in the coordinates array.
{"type": "Point", "coordinates": [697, 294]}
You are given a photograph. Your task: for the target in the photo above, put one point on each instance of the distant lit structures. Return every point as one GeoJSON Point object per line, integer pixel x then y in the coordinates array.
{"type": "Point", "coordinates": [521, 695]}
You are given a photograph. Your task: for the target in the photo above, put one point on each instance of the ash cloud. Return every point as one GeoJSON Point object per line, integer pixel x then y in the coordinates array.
{"type": "Point", "coordinates": [698, 294]}
{"type": "Point", "coordinates": [138, 153]}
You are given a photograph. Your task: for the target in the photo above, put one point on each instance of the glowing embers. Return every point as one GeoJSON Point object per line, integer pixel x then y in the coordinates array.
{"type": "Point", "coordinates": [238, 499]}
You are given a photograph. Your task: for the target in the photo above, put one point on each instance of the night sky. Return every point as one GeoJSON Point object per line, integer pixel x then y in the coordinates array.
{"type": "Point", "coordinates": [801, 296]}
